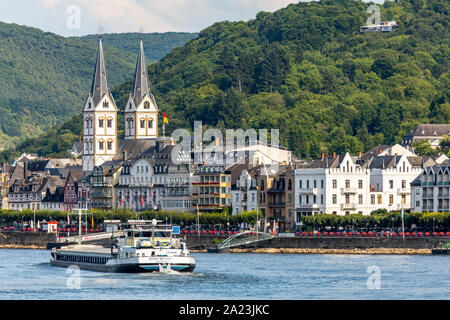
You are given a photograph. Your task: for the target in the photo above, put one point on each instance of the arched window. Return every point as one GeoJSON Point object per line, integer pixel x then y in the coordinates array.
{"type": "Point", "coordinates": [289, 184]}
{"type": "Point", "coordinates": [146, 105]}
{"type": "Point", "coordinates": [105, 104]}
{"type": "Point", "coordinates": [109, 123]}
{"type": "Point", "coordinates": [142, 124]}
{"type": "Point", "coordinates": [109, 145]}
{"type": "Point", "coordinates": [101, 145]}
{"type": "Point", "coordinates": [100, 123]}
{"type": "Point", "coordinates": [150, 124]}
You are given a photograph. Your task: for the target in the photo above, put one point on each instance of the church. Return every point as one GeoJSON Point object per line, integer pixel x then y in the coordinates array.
{"type": "Point", "coordinates": [100, 141]}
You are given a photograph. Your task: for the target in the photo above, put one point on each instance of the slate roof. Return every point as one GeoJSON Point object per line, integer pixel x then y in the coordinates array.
{"type": "Point", "coordinates": [427, 130]}
{"type": "Point", "coordinates": [99, 85]}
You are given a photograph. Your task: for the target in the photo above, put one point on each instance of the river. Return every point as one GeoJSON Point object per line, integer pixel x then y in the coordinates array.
{"type": "Point", "coordinates": [27, 274]}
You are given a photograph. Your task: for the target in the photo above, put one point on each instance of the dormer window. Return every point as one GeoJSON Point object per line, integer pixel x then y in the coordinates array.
{"type": "Point", "coordinates": [146, 105]}
{"type": "Point", "coordinates": [105, 104]}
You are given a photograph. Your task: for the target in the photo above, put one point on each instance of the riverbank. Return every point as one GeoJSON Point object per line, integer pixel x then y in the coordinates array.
{"type": "Point", "coordinates": [21, 246]}
{"type": "Point", "coordinates": [372, 251]}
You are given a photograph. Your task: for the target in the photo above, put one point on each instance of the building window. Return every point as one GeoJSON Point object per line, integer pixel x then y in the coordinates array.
{"type": "Point", "coordinates": [360, 199]}
{"type": "Point", "coordinates": [334, 184]}
{"type": "Point", "coordinates": [403, 184]}
{"type": "Point", "coordinates": [347, 183]}
{"type": "Point", "coordinates": [391, 199]}
{"type": "Point", "coordinates": [105, 104]}
{"type": "Point", "coordinates": [334, 199]}
{"type": "Point", "coordinates": [360, 184]}
{"type": "Point", "coordinates": [417, 203]}
{"type": "Point", "coordinates": [321, 184]}
{"type": "Point", "coordinates": [142, 124]}
{"type": "Point", "coordinates": [403, 199]}
{"type": "Point", "coordinates": [109, 123]}
{"type": "Point", "coordinates": [379, 199]}
{"type": "Point", "coordinates": [150, 124]}
{"type": "Point", "coordinates": [321, 199]}
{"type": "Point", "coordinates": [372, 199]}
{"type": "Point", "coordinates": [146, 105]}
{"type": "Point", "coordinates": [300, 184]}
{"type": "Point", "coordinates": [391, 184]}
{"type": "Point", "coordinates": [109, 145]}
{"type": "Point", "coordinates": [289, 184]}
{"type": "Point", "coordinates": [100, 123]}
{"type": "Point", "coordinates": [101, 145]}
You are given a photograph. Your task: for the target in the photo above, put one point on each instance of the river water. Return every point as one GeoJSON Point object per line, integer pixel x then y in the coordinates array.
{"type": "Point", "coordinates": [27, 274]}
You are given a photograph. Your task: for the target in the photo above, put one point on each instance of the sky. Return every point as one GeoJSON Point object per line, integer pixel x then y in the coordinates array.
{"type": "Point", "coordinates": [81, 17]}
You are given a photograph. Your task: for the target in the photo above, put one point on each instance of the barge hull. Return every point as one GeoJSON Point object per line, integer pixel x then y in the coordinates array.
{"type": "Point", "coordinates": [125, 268]}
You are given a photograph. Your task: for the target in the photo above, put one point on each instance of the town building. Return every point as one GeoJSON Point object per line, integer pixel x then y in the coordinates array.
{"type": "Point", "coordinates": [383, 26]}
{"type": "Point", "coordinates": [434, 133]}
{"type": "Point", "coordinates": [431, 190]}
{"type": "Point", "coordinates": [244, 193]}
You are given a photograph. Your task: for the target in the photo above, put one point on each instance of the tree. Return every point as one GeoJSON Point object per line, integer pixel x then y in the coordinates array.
{"type": "Point", "coordinates": [423, 148]}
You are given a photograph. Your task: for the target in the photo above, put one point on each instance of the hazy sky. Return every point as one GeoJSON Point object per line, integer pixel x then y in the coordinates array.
{"type": "Point", "coordinates": [80, 17]}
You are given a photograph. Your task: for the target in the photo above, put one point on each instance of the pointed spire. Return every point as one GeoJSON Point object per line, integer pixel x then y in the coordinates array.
{"type": "Point", "coordinates": [140, 84]}
{"type": "Point", "coordinates": [99, 84]}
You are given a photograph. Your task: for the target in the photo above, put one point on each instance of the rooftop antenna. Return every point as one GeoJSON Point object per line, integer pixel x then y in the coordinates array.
{"type": "Point", "coordinates": [141, 31]}
{"type": "Point", "coordinates": [100, 30]}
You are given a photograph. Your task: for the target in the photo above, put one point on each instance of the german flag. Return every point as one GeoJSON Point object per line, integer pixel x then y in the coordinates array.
{"type": "Point", "coordinates": [165, 120]}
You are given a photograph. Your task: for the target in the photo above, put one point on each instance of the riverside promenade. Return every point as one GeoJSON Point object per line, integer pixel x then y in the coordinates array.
{"type": "Point", "coordinates": [297, 244]}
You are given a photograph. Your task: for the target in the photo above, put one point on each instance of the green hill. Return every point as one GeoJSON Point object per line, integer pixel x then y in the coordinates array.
{"type": "Point", "coordinates": [306, 70]}
{"type": "Point", "coordinates": [156, 45]}
{"type": "Point", "coordinates": [44, 78]}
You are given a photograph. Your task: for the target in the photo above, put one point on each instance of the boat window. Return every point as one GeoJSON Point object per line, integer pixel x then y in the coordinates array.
{"type": "Point", "coordinates": [162, 234]}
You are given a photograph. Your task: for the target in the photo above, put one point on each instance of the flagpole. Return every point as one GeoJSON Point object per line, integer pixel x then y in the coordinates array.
{"type": "Point", "coordinates": [403, 226]}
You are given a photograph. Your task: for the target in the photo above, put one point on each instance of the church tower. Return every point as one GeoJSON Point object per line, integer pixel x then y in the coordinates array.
{"type": "Point", "coordinates": [141, 111]}
{"type": "Point", "coordinates": [99, 118]}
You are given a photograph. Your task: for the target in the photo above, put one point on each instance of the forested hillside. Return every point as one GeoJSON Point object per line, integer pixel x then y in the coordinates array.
{"type": "Point", "coordinates": [156, 45]}
{"type": "Point", "coordinates": [306, 70]}
{"type": "Point", "coordinates": [44, 78]}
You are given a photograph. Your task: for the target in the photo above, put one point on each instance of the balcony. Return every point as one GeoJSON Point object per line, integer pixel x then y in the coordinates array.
{"type": "Point", "coordinates": [348, 206]}
{"type": "Point", "coordinates": [309, 190]}
{"type": "Point", "coordinates": [308, 206]}
{"type": "Point", "coordinates": [348, 190]}
{"type": "Point", "coordinates": [404, 191]}
{"type": "Point", "coordinates": [277, 204]}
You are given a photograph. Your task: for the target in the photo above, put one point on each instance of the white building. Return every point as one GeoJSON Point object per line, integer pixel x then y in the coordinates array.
{"type": "Point", "coordinates": [244, 194]}
{"type": "Point", "coordinates": [390, 178]}
{"type": "Point", "coordinates": [345, 185]}
{"type": "Point", "coordinates": [334, 185]}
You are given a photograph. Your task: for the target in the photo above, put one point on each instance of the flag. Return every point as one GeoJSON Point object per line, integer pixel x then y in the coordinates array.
{"type": "Point", "coordinates": [165, 120]}
{"type": "Point", "coordinates": [142, 201]}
